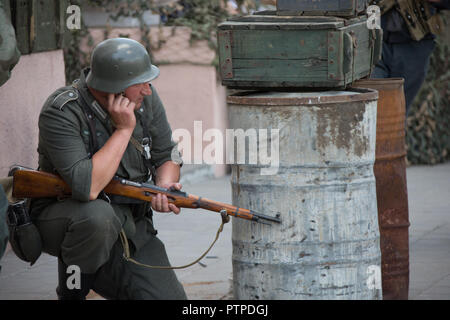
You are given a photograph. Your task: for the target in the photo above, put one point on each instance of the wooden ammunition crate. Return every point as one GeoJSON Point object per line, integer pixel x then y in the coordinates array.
{"type": "Point", "coordinates": [270, 51]}
{"type": "Point", "coordinates": [337, 8]}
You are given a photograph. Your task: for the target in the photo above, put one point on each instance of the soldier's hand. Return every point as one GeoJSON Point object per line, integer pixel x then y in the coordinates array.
{"type": "Point", "coordinates": [121, 110]}
{"type": "Point", "coordinates": [160, 202]}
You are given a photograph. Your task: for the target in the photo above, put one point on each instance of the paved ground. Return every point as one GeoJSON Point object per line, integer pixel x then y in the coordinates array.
{"type": "Point", "coordinates": [429, 242]}
{"type": "Point", "coordinates": [187, 236]}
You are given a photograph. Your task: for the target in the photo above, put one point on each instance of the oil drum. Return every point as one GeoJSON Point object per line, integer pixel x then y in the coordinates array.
{"type": "Point", "coordinates": [392, 194]}
{"type": "Point", "coordinates": [322, 187]}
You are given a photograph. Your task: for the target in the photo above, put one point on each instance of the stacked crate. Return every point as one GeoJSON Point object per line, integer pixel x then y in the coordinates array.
{"type": "Point", "coordinates": [303, 44]}
{"type": "Point", "coordinates": [314, 49]}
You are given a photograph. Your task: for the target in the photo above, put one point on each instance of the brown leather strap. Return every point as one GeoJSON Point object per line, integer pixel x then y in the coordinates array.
{"type": "Point", "coordinates": [127, 255]}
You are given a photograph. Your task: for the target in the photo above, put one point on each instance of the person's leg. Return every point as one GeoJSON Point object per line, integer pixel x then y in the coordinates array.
{"type": "Point", "coordinates": [70, 288]}
{"type": "Point", "coordinates": [411, 61]}
{"type": "Point", "coordinates": [80, 234]}
{"type": "Point", "coordinates": [120, 279]}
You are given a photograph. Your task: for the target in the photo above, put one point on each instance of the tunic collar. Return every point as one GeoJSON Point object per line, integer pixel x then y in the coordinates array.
{"type": "Point", "coordinates": [93, 104]}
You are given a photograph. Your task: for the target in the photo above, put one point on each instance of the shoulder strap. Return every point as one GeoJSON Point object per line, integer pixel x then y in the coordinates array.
{"type": "Point", "coordinates": [64, 97]}
{"type": "Point", "coordinates": [93, 144]}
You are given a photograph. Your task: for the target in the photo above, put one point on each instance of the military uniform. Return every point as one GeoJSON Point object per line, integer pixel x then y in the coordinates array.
{"type": "Point", "coordinates": [408, 42]}
{"type": "Point", "coordinates": [85, 233]}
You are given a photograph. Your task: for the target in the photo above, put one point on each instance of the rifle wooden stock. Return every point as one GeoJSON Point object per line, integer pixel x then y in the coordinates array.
{"type": "Point", "coordinates": [39, 184]}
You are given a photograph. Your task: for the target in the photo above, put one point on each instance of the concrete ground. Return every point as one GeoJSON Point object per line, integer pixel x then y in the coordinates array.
{"type": "Point", "coordinates": [188, 235]}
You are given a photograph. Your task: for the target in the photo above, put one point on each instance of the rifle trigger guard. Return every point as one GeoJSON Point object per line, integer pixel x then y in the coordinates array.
{"type": "Point", "coordinates": [225, 216]}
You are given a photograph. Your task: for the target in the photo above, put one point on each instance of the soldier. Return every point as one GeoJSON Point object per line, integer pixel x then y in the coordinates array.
{"type": "Point", "coordinates": [109, 123]}
{"type": "Point", "coordinates": [408, 41]}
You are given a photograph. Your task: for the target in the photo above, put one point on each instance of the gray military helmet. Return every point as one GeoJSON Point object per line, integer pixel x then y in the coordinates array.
{"type": "Point", "coordinates": [119, 63]}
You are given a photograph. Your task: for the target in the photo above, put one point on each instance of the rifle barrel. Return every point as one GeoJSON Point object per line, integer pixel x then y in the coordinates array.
{"type": "Point", "coordinates": [199, 202]}
{"type": "Point", "coordinates": [266, 217]}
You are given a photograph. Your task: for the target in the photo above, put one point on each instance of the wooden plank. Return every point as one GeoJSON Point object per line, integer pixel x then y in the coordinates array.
{"type": "Point", "coordinates": [335, 55]}
{"type": "Point", "coordinates": [225, 56]}
{"type": "Point", "coordinates": [256, 17]}
{"type": "Point", "coordinates": [362, 52]}
{"type": "Point", "coordinates": [21, 20]}
{"type": "Point", "coordinates": [43, 26]}
{"type": "Point", "coordinates": [284, 45]}
{"type": "Point", "coordinates": [339, 8]}
{"type": "Point", "coordinates": [284, 84]}
{"type": "Point", "coordinates": [235, 25]}
{"type": "Point", "coordinates": [302, 70]}
{"type": "Point", "coordinates": [315, 5]}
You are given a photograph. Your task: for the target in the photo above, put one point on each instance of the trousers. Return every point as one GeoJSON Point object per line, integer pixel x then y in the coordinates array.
{"type": "Point", "coordinates": [408, 60]}
{"type": "Point", "coordinates": [86, 234]}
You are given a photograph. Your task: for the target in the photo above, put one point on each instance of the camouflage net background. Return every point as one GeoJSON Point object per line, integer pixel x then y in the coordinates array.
{"type": "Point", "coordinates": [428, 123]}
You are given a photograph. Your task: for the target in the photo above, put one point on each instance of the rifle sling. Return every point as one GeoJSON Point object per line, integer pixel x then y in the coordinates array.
{"type": "Point", "coordinates": [127, 255]}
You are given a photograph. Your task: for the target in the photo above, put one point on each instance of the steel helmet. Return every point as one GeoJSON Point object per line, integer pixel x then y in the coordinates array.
{"type": "Point", "coordinates": [119, 63]}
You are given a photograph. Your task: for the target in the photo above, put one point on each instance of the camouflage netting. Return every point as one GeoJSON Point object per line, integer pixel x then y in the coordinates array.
{"type": "Point", "coordinates": [428, 123]}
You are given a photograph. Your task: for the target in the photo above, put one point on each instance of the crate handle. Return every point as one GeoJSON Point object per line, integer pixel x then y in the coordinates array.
{"type": "Point", "coordinates": [348, 53]}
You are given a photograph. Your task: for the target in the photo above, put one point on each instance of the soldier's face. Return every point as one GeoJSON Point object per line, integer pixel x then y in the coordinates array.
{"type": "Point", "coordinates": [136, 93]}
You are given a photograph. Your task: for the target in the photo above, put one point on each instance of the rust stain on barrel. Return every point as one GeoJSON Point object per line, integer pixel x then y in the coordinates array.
{"type": "Point", "coordinates": [392, 196]}
{"type": "Point", "coordinates": [340, 121]}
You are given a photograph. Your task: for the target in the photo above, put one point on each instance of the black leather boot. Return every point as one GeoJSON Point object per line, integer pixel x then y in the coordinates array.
{"type": "Point", "coordinates": [64, 292]}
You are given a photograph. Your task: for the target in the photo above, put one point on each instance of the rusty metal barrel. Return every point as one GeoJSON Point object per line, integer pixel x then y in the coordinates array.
{"type": "Point", "coordinates": [392, 194]}
{"type": "Point", "coordinates": [327, 245]}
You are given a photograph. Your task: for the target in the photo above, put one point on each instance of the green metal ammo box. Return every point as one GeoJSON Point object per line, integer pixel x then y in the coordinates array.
{"type": "Point", "coordinates": [270, 51]}
{"type": "Point", "coordinates": [337, 8]}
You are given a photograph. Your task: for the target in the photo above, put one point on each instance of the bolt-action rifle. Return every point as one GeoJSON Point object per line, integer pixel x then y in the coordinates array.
{"type": "Point", "coordinates": [39, 184]}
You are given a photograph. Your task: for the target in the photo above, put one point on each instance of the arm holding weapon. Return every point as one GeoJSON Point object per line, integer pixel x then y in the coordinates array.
{"type": "Point", "coordinates": [39, 184]}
